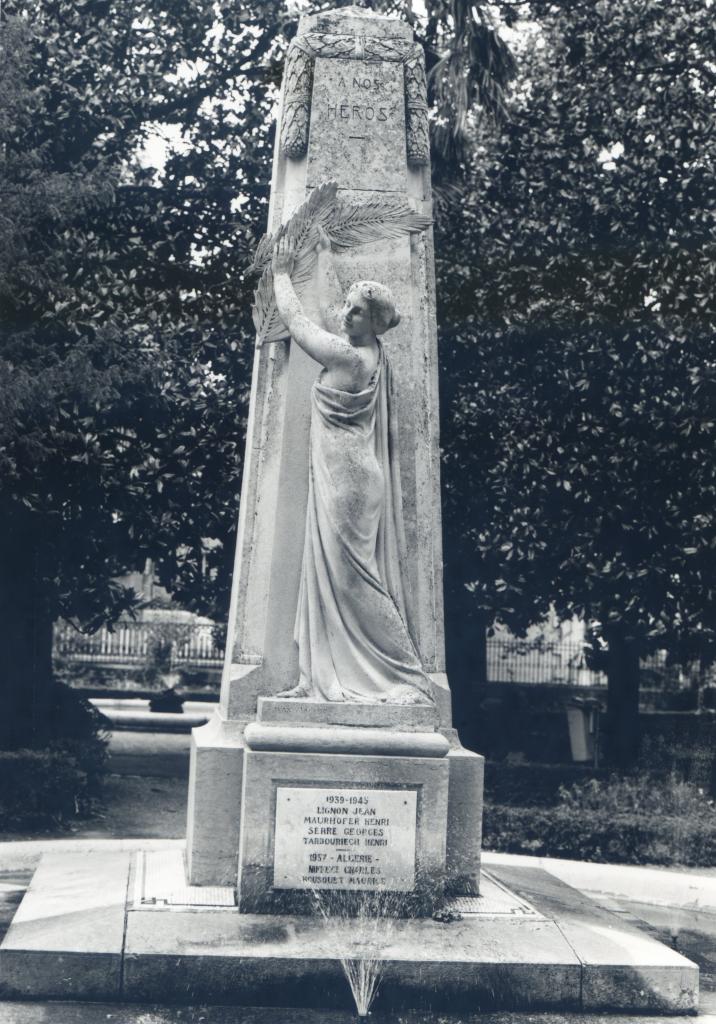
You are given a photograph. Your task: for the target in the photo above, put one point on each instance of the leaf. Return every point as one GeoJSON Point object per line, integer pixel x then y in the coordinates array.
{"type": "Point", "coordinates": [269, 325]}
{"type": "Point", "coordinates": [301, 227]}
{"type": "Point", "coordinates": [374, 220]}
{"type": "Point", "coordinates": [263, 253]}
{"type": "Point", "coordinates": [317, 209]}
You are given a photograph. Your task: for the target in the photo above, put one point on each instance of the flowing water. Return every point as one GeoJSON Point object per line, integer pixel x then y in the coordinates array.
{"type": "Point", "coordinates": [360, 925]}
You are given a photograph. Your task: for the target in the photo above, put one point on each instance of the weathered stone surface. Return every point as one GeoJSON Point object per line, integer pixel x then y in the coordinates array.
{"type": "Point", "coordinates": [67, 934]}
{"type": "Point", "coordinates": [357, 133]}
{"type": "Point", "coordinates": [262, 657]}
{"type": "Point", "coordinates": [464, 828]}
{"type": "Point", "coordinates": [469, 965]}
{"type": "Point", "coordinates": [622, 968]}
{"type": "Point", "coordinates": [404, 718]}
{"type": "Point", "coordinates": [338, 739]}
{"type": "Point", "coordinates": [355, 21]}
{"type": "Point", "coordinates": [568, 956]}
{"type": "Point", "coordinates": [214, 812]}
{"type": "Point", "coordinates": [264, 772]}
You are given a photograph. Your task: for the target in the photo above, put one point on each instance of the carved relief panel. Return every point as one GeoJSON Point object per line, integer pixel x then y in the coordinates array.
{"type": "Point", "coordinates": [363, 99]}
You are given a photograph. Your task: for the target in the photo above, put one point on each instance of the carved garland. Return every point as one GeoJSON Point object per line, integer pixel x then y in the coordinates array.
{"type": "Point", "coordinates": [299, 83]}
{"type": "Point", "coordinates": [416, 108]}
{"type": "Point", "coordinates": [346, 224]}
{"type": "Point", "coordinates": [297, 103]}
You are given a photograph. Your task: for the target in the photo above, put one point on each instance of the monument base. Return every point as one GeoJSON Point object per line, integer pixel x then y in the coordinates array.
{"type": "Point", "coordinates": [344, 823]}
{"type": "Point", "coordinates": [218, 756]}
{"type": "Point", "coordinates": [216, 767]}
{"type": "Point", "coordinates": [118, 926]}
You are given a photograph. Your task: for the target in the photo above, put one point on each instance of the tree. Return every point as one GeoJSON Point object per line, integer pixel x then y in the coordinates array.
{"type": "Point", "coordinates": [578, 313]}
{"type": "Point", "coordinates": [126, 337]}
{"type": "Point", "coordinates": [124, 306]}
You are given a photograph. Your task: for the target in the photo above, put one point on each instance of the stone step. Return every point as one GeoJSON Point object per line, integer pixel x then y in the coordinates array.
{"type": "Point", "coordinates": [534, 944]}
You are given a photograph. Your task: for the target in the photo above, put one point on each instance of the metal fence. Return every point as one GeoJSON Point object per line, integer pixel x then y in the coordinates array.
{"type": "Point", "coordinates": [184, 644]}
{"type": "Point", "coordinates": [191, 645]}
{"type": "Point", "coordinates": [511, 660]}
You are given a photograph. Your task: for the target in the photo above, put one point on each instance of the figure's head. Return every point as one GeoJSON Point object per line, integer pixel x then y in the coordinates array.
{"type": "Point", "coordinates": [369, 309]}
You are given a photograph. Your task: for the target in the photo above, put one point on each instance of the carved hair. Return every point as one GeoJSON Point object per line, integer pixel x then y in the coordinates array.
{"type": "Point", "coordinates": [381, 304]}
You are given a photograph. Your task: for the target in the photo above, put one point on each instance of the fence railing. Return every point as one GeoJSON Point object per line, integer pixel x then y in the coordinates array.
{"type": "Point", "coordinates": [511, 660]}
{"type": "Point", "coordinates": [181, 644]}
{"type": "Point", "coordinates": [184, 645]}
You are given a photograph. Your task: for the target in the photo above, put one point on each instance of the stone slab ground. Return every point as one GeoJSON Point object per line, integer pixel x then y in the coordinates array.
{"type": "Point", "coordinates": [151, 1013]}
{"type": "Point", "coordinates": [112, 926]}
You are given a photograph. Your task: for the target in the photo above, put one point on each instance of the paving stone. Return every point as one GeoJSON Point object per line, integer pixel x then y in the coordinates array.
{"type": "Point", "coordinates": [66, 938]}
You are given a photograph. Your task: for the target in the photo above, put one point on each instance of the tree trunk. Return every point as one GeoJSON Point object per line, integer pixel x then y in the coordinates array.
{"type": "Point", "coordinates": [623, 730]}
{"type": "Point", "coordinates": [26, 681]}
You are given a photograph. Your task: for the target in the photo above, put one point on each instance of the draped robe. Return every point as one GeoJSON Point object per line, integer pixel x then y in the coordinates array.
{"type": "Point", "coordinates": [352, 623]}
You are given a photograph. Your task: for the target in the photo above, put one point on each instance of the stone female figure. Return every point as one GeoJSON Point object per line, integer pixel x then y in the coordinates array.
{"type": "Point", "coordinates": [352, 626]}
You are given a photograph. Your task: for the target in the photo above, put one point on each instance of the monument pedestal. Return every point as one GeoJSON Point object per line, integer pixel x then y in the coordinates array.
{"type": "Point", "coordinates": [341, 822]}
{"type": "Point", "coordinates": [353, 155]}
{"type": "Point", "coordinates": [356, 804]}
{"type": "Point", "coordinates": [237, 769]}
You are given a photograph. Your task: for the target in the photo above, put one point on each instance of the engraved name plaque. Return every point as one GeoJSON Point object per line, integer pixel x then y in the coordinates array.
{"type": "Point", "coordinates": [345, 839]}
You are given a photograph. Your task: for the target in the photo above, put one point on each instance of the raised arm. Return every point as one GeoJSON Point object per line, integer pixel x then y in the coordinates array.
{"type": "Point", "coordinates": [330, 293]}
{"type": "Point", "coordinates": [326, 348]}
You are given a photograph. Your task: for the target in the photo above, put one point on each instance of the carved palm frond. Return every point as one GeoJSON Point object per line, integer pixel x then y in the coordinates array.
{"type": "Point", "coordinates": [263, 252]}
{"type": "Point", "coordinates": [301, 227]}
{"type": "Point", "coordinates": [371, 221]}
{"type": "Point", "coordinates": [346, 224]}
{"type": "Point", "coordinates": [317, 209]}
{"type": "Point", "coordinates": [269, 325]}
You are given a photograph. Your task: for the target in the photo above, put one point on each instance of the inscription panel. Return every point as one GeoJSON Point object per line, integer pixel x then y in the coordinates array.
{"type": "Point", "coordinates": [345, 839]}
{"type": "Point", "coordinates": [357, 134]}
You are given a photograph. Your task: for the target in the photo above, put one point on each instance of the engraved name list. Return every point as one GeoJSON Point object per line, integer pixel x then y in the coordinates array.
{"type": "Point", "coordinates": [345, 839]}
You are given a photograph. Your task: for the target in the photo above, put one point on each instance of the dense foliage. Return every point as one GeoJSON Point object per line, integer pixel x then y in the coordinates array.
{"type": "Point", "coordinates": [135, 147]}
{"type": "Point", "coordinates": [641, 819]}
{"type": "Point", "coordinates": [41, 788]}
{"type": "Point", "coordinates": [126, 337]}
{"type": "Point", "coordinates": [578, 313]}
{"type": "Point", "coordinates": [624, 838]}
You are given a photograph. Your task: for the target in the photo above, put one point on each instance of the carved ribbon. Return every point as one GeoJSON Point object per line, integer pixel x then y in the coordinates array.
{"type": "Point", "coordinates": [299, 83]}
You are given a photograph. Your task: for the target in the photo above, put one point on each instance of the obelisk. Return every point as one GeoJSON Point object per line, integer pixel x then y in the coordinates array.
{"type": "Point", "coordinates": [353, 110]}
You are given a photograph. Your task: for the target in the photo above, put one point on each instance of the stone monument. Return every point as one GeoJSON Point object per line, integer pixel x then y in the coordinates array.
{"type": "Point", "coordinates": [332, 762]}
{"type": "Point", "coordinates": [331, 771]}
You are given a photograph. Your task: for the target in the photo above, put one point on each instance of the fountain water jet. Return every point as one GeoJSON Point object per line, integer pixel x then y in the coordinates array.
{"type": "Point", "coordinates": [361, 925]}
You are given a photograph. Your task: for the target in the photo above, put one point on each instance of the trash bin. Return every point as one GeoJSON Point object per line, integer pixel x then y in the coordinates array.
{"type": "Point", "coordinates": [583, 725]}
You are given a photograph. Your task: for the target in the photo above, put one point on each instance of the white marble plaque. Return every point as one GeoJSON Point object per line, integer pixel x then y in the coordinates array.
{"type": "Point", "coordinates": [345, 839]}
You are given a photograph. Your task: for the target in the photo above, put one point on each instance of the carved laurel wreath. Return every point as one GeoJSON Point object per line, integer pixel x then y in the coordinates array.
{"type": "Point", "coordinates": [302, 54]}
{"type": "Point", "coordinates": [346, 224]}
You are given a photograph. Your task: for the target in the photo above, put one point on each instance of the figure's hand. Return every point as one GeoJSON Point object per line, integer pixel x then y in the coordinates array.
{"type": "Point", "coordinates": [324, 243]}
{"type": "Point", "coordinates": [284, 256]}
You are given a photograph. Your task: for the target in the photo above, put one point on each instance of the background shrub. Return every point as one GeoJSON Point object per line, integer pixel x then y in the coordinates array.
{"type": "Point", "coordinates": [530, 784]}
{"type": "Point", "coordinates": [633, 820]}
{"type": "Point", "coordinates": [58, 780]}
